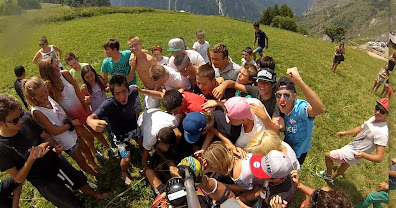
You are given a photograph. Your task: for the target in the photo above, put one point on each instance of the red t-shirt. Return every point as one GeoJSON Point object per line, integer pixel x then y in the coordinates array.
{"type": "Point", "coordinates": [192, 102]}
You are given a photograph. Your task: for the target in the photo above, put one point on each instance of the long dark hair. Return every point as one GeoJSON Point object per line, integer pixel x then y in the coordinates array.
{"type": "Point", "coordinates": [98, 79]}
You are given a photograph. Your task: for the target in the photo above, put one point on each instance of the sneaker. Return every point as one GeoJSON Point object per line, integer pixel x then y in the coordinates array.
{"type": "Point", "coordinates": [113, 152]}
{"type": "Point", "coordinates": [323, 175]}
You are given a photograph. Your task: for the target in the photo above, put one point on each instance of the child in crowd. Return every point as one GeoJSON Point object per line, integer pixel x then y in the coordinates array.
{"type": "Point", "coordinates": [72, 60]}
{"type": "Point", "coordinates": [64, 90]}
{"type": "Point", "coordinates": [266, 62]}
{"type": "Point", "coordinates": [382, 76]}
{"type": "Point", "coordinates": [157, 53]}
{"type": "Point", "coordinates": [372, 135]}
{"type": "Point", "coordinates": [261, 38]}
{"type": "Point", "coordinates": [94, 88]}
{"type": "Point", "coordinates": [55, 121]}
{"type": "Point", "coordinates": [245, 77]}
{"type": "Point", "coordinates": [247, 57]}
{"type": "Point", "coordinates": [202, 46]}
{"type": "Point", "coordinates": [206, 82]}
{"type": "Point", "coordinates": [177, 102]}
{"type": "Point", "coordinates": [47, 51]}
{"type": "Point", "coordinates": [20, 74]}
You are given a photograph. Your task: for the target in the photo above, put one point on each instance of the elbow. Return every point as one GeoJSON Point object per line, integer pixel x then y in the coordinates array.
{"type": "Point", "coordinates": [19, 180]}
{"type": "Point", "coordinates": [321, 109]}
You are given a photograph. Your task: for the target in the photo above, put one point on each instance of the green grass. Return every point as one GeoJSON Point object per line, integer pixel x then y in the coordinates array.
{"type": "Point", "coordinates": [346, 94]}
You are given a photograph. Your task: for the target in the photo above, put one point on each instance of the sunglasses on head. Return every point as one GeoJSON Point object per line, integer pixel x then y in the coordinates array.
{"type": "Point", "coordinates": [16, 120]}
{"type": "Point", "coordinates": [285, 95]}
{"type": "Point", "coordinates": [315, 196]}
{"type": "Point", "coordinates": [382, 111]}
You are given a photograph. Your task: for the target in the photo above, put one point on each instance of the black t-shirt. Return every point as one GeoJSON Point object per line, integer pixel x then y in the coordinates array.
{"type": "Point", "coordinates": [228, 130]}
{"type": "Point", "coordinates": [260, 35]}
{"type": "Point", "coordinates": [285, 190]}
{"type": "Point", "coordinates": [122, 118]}
{"type": "Point", "coordinates": [229, 93]}
{"type": "Point", "coordinates": [14, 151]}
{"type": "Point", "coordinates": [18, 89]}
{"type": "Point", "coordinates": [270, 104]}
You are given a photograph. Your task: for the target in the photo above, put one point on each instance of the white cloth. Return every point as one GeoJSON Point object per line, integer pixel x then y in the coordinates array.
{"type": "Point", "coordinates": [292, 156]}
{"type": "Point", "coordinates": [165, 61]}
{"type": "Point", "coordinates": [176, 80]}
{"type": "Point", "coordinates": [56, 115]}
{"type": "Point", "coordinates": [244, 137]}
{"type": "Point", "coordinates": [251, 62]}
{"type": "Point", "coordinates": [371, 135]}
{"type": "Point", "coordinates": [151, 122]}
{"type": "Point", "coordinates": [230, 72]}
{"type": "Point", "coordinates": [202, 49]}
{"type": "Point", "coordinates": [195, 58]}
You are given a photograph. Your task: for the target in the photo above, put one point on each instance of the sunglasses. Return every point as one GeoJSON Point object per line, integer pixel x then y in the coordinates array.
{"type": "Point", "coordinates": [183, 70]}
{"type": "Point", "coordinates": [41, 44]}
{"type": "Point", "coordinates": [315, 196]}
{"type": "Point", "coordinates": [285, 95]}
{"type": "Point", "coordinates": [16, 120]}
{"type": "Point", "coordinates": [382, 111]}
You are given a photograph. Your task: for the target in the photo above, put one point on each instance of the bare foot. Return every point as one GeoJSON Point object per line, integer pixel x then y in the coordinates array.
{"type": "Point", "coordinates": [102, 196]}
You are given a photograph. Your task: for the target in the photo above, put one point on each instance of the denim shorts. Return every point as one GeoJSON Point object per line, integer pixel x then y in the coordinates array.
{"type": "Point", "coordinates": [259, 50]}
{"type": "Point", "coordinates": [72, 149]}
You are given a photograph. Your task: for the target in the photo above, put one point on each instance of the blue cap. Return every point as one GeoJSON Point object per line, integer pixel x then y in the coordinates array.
{"type": "Point", "coordinates": [193, 124]}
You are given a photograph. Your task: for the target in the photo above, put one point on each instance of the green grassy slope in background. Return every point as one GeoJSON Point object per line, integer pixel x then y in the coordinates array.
{"type": "Point", "coordinates": [346, 94]}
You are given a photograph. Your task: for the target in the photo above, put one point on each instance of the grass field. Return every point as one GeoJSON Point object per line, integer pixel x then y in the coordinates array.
{"type": "Point", "coordinates": [346, 94]}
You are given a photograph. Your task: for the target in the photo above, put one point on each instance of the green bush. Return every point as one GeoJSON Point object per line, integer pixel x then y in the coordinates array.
{"type": "Point", "coordinates": [9, 8]}
{"type": "Point", "coordinates": [29, 4]}
{"type": "Point", "coordinates": [336, 33]}
{"type": "Point", "coordinates": [286, 23]}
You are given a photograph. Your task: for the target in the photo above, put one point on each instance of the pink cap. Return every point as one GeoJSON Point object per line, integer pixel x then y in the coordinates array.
{"type": "Point", "coordinates": [238, 108]}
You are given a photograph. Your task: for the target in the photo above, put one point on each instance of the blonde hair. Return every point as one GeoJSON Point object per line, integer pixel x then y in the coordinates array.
{"type": "Point", "coordinates": [222, 156]}
{"type": "Point", "coordinates": [251, 70]}
{"type": "Point", "coordinates": [29, 87]}
{"type": "Point", "coordinates": [53, 83]}
{"type": "Point", "coordinates": [263, 142]}
{"type": "Point", "coordinates": [156, 72]}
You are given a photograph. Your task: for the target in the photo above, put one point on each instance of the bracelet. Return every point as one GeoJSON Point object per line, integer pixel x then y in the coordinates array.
{"type": "Point", "coordinates": [215, 188]}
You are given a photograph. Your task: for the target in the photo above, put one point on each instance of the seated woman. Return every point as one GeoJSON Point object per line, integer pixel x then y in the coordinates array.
{"type": "Point", "coordinates": [55, 121]}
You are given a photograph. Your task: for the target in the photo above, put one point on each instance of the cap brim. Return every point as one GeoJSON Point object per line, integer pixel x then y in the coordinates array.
{"type": "Point", "coordinates": [382, 106]}
{"type": "Point", "coordinates": [191, 138]}
{"type": "Point", "coordinates": [255, 166]}
{"type": "Point", "coordinates": [262, 78]}
{"type": "Point", "coordinates": [227, 119]}
{"type": "Point", "coordinates": [173, 49]}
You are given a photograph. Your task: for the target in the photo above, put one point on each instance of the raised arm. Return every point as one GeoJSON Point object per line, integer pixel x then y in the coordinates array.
{"type": "Point", "coordinates": [316, 106]}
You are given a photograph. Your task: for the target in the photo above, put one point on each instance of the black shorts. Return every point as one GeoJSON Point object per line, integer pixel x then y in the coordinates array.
{"type": "Point", "coordinates": [7, 186]}
{"type": "Point", "coordinates": [54, 188]}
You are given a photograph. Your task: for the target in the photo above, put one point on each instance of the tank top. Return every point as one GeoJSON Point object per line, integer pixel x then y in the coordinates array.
{"type": "Point", "coordinates": [97, 96]}
{"type": "Point", "coordinates": [51, 53]}
{"type": "Point", "coordinates": [56, 115]}
{"type": "Point", "coordinates": [71, 104]}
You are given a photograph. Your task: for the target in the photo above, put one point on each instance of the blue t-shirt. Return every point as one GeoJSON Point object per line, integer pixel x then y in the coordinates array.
{"type": "Point", "coordinates": [121, 67]}
{"type": "Point", "coordinates": [299, 128]}
{"type": "Point", "coordinates": [121, 118]}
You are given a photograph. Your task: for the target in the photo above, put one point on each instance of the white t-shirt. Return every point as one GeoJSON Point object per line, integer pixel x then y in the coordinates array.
{"type": "Point", "coordinates": [244, 138]}
{"type": "Point", "coordinates": [202, 49]}
{"type": "Point", "coordinates": [195, 58]}
{"type": "Point", "coordinates": [165, 61]}
{"type": "Point", "coordinates": [292, 156]}
{"type": "Point", "coordinates": [251, 62]}
{"type": "Point", "coordinates": [151, 122]}
{"type": "Point", "coordinates": [176, 80]}
{"type": "Point", "coordinates": [372, 134]}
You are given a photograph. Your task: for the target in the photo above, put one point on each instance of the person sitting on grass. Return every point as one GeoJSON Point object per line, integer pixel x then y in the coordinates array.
{"type": "Point", "coordinates": [119, 111]}
{"type": "Point", "coordinates": [381, 196]}
{"type": "Point", "coordinates": [247, 57]}
{"type": "Point", "coordinates": [382, 76]}
{"type": "Point", "coordinates": [53, 118]}
{"type": "Point", "coordinates": [25, 153]}
{"type": "Point", "coordinates": [72, 60]}
{"type": "Point", "coordinates": [157, 53]}
{"type": "Point", "coordinates": [298, 114]}
{"type": "Point", "coordinates": [372, 135]}
{"type": "Point", "coordinates": [10, 193]}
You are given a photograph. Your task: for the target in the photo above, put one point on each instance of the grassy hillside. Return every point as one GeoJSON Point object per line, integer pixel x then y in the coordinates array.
{"type": "Point", "coordinates": [346, 94]}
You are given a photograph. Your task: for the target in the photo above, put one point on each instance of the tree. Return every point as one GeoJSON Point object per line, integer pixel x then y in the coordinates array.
{"type": "Point", "coordinates": [265, 17]}
{"type": "Point", "coordinates": [274, 11]}
{"type": "Point", "coordinates": [336, 33]}
{"type": "Point", "coordinates": [286, 11]}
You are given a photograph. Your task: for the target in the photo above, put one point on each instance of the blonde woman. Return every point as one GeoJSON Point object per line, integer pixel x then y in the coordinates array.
{"type": "Point", "coordinates": [64, 90]}
{"type": "Point", "coordinates": [55, 121]}
{"type": "Point", "coordinates": [219, 158]}
{"type": "Point", "coordinates": [265, 141]}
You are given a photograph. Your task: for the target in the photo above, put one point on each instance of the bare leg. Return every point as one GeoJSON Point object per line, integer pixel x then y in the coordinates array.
{"type": "Point", "coordinates": [341, 170]}
{"type": "Point", "coordinates": [99, 136]}
{"type": "Point", "coordinates": [91, 192]}
{"type": "Point", "coordinates": [153, 178]}
{"type": "Point", "coordinates": [376, 88]}
{"type": "Point", "coordinates": [79, 158]}
{"type": "Point", "coordinates": [335, 67]}
{"type": "Point", "coordinates": [124, 163]}
{"type": "Point", "coordinates": [329, 163]}
{"type": "Point", "coordinates": [87, 154]}
{"type": "Point", "coordinates": [375, 84]}
{"type": "Point", "coordinates": [88, 137]}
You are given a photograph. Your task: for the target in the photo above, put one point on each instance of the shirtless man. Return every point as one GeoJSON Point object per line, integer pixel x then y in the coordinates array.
{"type": "Point", "coordinates": [141, 63]}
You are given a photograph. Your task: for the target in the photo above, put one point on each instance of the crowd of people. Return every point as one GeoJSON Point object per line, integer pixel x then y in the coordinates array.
{"type": "Point", "coordinates": [221, 126]}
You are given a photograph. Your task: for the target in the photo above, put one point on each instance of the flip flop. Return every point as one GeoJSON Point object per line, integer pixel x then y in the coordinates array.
{"type": "Point", "coordinates": [126, 182]}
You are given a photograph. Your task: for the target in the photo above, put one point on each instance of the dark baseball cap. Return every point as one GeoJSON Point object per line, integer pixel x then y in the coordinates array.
{"type": "Point", "coordinates": [285, 83]}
